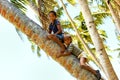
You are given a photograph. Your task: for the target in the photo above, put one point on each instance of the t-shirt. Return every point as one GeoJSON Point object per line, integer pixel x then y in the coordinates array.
{"type": "Point", "coordinates": [74, 50]}
{"type": "Point", "coordinates": [53, 27]}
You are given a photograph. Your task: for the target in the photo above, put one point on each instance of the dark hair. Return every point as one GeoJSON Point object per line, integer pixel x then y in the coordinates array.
{"type": "Point", "coordinates": [53, 13]}
{"type": "Point", "coordinates": [69, 36]}
{"type": "Point", "coordinates": [70, 39]}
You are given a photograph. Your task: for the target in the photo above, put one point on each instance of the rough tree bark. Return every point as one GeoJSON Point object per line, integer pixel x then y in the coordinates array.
{"type": "Point", "coordinates": [38, 35]}
{"type": "Point", "coordinates": [37, 9]}
{"type": "Point", "coordinates": [117, 1]}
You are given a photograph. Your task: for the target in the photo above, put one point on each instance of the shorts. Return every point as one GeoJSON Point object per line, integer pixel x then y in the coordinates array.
{"type": "Point", "coordinates": [61, 37]}
{"type": "Point", "coordinates": [83, 54]}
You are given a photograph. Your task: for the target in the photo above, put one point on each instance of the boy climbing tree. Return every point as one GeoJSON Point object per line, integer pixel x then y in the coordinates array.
{"type": "Point", "coordinates": [55, 30]}
{"type": "Point", "coordinates": [72, 49]}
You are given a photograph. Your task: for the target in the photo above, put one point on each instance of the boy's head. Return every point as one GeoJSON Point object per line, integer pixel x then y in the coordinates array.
{"type": "Point", "coordinates": [67, 39]}
{"type": "Point", "coordinates": [52, 16]}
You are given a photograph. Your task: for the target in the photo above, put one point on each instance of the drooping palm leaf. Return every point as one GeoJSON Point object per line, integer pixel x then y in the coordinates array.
{"type": "Point", "coordinates": [72, 2]}
{"type": "Point", "coordinates": [20, 4]}
{"type": "Point", "coordinates": [38, 51]}
{"type": "Point", "coordinates": [99, 16]}
{"type": "Point", "coordinates": [19, 34]}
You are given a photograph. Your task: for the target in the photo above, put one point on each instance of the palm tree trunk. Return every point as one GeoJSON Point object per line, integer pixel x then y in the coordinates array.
{"type": "Point", "coordinates": [33, 6]}
{"type": "Point", "coordinates": [43, 18]}
{"type": "Point", "coordinates": [103, 57]}
{"type": "Point", "coordinates": [38, 35]}
{"type": "Point", "coordinates": [117, 1]}
{"type": "Point", "coordinates": [117, 7]}
{"type": "Point", "coordinates": [87, 49]}
{"type": "Point", "coordinates": [114, 15]}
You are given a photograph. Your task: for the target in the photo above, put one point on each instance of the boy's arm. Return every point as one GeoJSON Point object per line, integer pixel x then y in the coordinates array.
{"type": "Point", "coordinates": [49, 31]}
{"type": "Point", "coordinates": [66, 53]}
{"type": "Point", "coordinates": [59, 29]}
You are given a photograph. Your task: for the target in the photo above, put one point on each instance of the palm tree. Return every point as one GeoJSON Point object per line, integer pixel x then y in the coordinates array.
{"type": "Point", "coordinates": [117, 1]}
{"type": "Point", "coordinates": [113, 7]}
{"type": "Point", "coordinates": [103, 57]}
{"type": "Point", "coordinates": [38, 35]}
{"type": "Point", "coordinates": [117, 7]}
{"type": "Point", "coordinates": [114, 15]}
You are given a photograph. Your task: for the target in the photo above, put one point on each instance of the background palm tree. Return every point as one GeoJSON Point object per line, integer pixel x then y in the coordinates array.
{"type": "Point", "coordinates": [114, 15]}
{"type": "Point", "coordinates": [97, 41]}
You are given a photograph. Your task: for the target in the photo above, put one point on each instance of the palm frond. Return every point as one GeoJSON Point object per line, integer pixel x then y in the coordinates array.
{"type": "Point", "coordinates": [66, 24]}
{"type": "Point", "coordinates": [103, 34]}
{"type": "Point", "coordinates": [72, 2]}
{"type": "Point", "coordinates": [20, 4]}
{"type": "Point", "coordinates": [33, 48]}
{"type": "Point", "coordinates": [118, 55]}
{"type": "Point", "coordinates": [99, 16]}
{"type": "Point", "coordinates": [19, 34]}
{"type": "Point", "coordinates": [38, 51]}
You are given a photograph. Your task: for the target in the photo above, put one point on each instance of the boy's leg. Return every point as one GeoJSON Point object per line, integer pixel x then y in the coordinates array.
{"type": "Point", "coordinates": [83, 64]}
{"type": "Point", "coordinates": [54, 38]}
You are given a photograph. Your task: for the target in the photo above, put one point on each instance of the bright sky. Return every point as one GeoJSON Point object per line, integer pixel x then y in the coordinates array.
{"type": "Point", "coordinates": [17, 62]}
